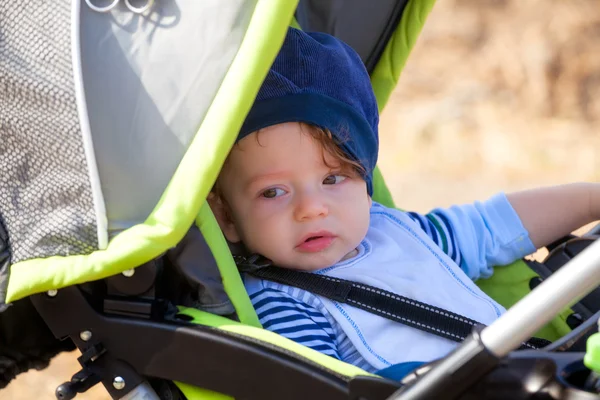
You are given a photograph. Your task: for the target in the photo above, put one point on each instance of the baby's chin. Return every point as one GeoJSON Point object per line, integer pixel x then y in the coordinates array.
{"type": "Point", "coordinates": [314, 262]}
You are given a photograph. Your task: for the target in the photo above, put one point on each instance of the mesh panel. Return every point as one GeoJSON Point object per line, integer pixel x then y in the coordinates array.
{"type": "Point", "coordinates": [45, 195]}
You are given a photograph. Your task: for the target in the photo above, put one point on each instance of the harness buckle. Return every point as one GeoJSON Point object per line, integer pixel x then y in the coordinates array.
{"type": "Point", "coordinates": [251, 263]}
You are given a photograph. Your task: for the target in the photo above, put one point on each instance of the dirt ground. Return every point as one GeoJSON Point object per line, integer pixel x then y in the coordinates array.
{"type": "Point", "coordinates": [498, 95]}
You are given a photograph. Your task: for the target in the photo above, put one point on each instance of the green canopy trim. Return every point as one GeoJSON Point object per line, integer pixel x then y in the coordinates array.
{"type": "Point", "coordinates": [381, 193]}
{"type": "Point", "coordinates": [392, 61]}
{"type": "Point", "coordinates": [232, 281]}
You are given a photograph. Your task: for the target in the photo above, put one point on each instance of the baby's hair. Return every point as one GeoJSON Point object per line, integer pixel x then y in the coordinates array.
{"type": "Point", "coordinates": [330, 145]}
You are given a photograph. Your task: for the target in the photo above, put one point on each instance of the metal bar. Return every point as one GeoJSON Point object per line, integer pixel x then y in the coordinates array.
{"type": "Point", "coordinates": [566, 286]}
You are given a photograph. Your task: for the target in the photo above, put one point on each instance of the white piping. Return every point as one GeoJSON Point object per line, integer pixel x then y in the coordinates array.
{"type": "Point", "coordinates": [84, 124]}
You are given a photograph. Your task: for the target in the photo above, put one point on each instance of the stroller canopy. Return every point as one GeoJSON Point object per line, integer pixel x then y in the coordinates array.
{"type": "Point", "coordinates": [114, 125]}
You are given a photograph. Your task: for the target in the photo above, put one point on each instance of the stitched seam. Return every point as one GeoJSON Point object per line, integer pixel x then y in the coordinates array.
{"type": "Point", "coordinates": [409, 320]}
{"type": "Point", "coordinates": [366, 251]}
{"type": "Point", "coordinates": [414, 303]}
{"type": "Point", "coordinates": [360, 335]}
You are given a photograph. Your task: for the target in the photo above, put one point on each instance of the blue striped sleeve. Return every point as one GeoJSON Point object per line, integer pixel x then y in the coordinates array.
{"type": "Point", "coordinates": [281, 313]}
{"type": "Point", "coordinates": [437, 226]}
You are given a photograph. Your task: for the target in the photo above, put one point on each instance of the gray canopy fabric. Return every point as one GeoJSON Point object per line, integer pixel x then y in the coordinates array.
{"type": "Point", "coordinates": [148, 82]}
{"type": "Point", "coordinates": [364, 25]}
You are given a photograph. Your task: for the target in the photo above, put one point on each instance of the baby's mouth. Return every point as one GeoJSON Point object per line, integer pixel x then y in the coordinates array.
{"type": "Point", "coordinates": [314, 243]}
{"type": "Point", "coordinates": [313, 238]}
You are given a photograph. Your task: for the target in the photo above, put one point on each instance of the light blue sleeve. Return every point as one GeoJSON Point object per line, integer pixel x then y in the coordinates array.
{"type": "Point", "coordinates": [488, 234]}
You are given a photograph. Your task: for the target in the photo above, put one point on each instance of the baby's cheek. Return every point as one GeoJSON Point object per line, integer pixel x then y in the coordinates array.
{"type": "Point", "coordinates": [266, 228]}
{"type": "Point", "coordinates": [263, 237]}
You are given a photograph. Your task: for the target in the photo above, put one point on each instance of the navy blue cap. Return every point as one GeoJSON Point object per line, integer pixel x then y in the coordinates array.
{"type": "Point", "coordinates": [319, 80]}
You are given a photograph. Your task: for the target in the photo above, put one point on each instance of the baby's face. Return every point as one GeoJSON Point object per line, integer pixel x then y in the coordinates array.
{"type": "Point", "coordinates": [287, 204]}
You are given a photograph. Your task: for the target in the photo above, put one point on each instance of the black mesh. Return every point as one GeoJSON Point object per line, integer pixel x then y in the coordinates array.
{"type": "Point", "coordinates": [45, 194]}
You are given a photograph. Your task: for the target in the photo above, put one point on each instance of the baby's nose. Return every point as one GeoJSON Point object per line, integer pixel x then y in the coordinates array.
{"type": "Point", "coordinates": [311, 206]}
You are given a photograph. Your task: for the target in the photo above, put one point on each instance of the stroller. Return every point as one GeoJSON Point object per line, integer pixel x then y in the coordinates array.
{"type": "Point", "coordinates": [115, 118]}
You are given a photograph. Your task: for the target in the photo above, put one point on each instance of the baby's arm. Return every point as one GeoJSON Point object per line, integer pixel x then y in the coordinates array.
{"type": "Point", "coordinates": [508, 227]}
{"type": "Point", "coordinates": [550, 213]}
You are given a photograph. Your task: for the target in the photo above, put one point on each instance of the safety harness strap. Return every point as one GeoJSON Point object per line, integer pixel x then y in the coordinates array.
{"type": "Point", "coordinates": [392, 306]}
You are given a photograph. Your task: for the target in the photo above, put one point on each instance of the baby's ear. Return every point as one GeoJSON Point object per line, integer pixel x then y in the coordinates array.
{"type": "Point", "coordinates": [223, 215]}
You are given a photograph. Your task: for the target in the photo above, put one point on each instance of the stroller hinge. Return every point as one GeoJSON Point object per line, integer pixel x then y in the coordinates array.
{"type": "Point", "coordinates": [68, 314]}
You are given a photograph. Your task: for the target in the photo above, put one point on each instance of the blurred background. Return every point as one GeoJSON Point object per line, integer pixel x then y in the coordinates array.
{"type": "Point", "coordinates": [498, 95]}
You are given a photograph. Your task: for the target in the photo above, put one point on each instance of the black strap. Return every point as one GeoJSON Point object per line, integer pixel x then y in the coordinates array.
{"type": "Point", "coordinates": [413, 313]}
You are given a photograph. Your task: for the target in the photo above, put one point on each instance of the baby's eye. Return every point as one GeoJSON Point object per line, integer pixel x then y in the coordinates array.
{"type": "Point", "coordinates": [333, 179]}
{"type": "Point", "coordinates": [272, 193]}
